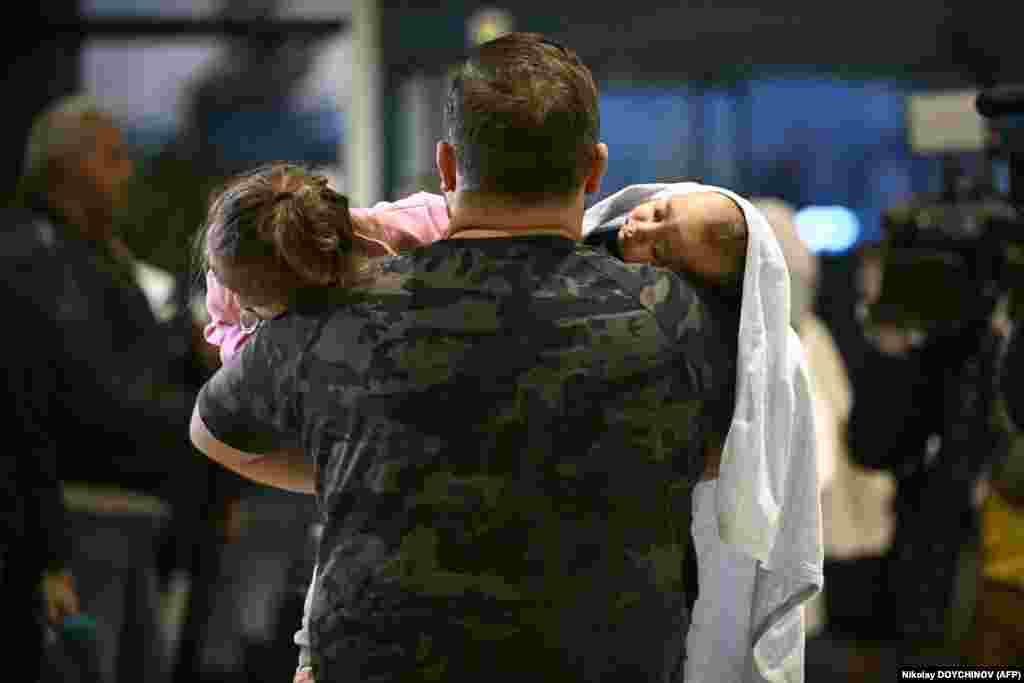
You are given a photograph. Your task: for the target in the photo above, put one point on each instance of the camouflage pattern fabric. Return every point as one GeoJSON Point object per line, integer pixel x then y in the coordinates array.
{"type": "Point", "coordinates": [506, 435]}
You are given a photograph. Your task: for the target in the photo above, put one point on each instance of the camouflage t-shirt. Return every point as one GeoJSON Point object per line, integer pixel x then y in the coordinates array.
{"type": "Point", "coordinates": [506, 434]}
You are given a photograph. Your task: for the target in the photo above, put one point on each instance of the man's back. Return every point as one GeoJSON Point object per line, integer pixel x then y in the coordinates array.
{"type": "Point", "coordinates": [507, 433]}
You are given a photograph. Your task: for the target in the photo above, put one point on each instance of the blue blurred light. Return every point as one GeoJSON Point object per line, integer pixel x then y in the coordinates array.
{"type": "Point", "coordinates": [828, 229]}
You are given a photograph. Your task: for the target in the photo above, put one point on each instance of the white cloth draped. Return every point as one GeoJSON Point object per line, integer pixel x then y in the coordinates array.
{"type": "Point", "coordinates": [766, 503]}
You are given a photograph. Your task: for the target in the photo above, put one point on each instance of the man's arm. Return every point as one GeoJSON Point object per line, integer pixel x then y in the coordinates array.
{"type": "Point", "coordinates": [288, 469]}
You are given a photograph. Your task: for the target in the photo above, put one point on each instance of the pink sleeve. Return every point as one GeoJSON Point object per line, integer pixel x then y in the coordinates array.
{"type": "Point", "coordinates": [437, 209]}
{"type": "Point", "coordinates": [224, 329]}
{"type": "Point", "coordinates": [414, 221]}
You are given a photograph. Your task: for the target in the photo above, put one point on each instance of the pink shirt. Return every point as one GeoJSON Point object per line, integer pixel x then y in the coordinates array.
{"type": "Point", "coordinates": [399, 226]}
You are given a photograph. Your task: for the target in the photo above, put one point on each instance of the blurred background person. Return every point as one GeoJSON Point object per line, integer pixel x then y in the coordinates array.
{"type": "Point", "coordinates": [855, 502]}
{"type": "Point", "coordinates": [118, 407]}
{"type": "Point", "coordinates": [996, 635]}
{"type": "Point", "coordinates": [35, 579]}
{"type": "Point", "coordinates": [924, 411]}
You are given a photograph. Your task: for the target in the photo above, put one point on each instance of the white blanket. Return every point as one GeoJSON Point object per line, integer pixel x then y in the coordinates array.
{"type": "Point", "coordinates": [766, 501]}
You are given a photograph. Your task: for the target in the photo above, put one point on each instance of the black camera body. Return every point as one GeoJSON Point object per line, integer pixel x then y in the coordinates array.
{"type": "Point", "coordinates": [948, 258]}
{"type": "Point", "coordinates": [946, 262]}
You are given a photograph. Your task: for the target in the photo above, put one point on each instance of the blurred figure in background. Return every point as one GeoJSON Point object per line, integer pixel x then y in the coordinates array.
{"type": "Point", "coordinates": [923, 411]}
{"type": "Point", "coordinates": [35, 581]}
{"type": "Point", "coordinates": [855, 502]}
{"type": "Point", "coordinates": [118, 409]}
{"type": "Point", "coordinates": [997, 633]}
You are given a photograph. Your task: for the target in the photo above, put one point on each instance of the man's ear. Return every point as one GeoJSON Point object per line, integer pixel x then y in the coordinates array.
{"type": "Point", "coordinates": [598, 167]}
{"type": "Point", "coordinates": [447, 165]}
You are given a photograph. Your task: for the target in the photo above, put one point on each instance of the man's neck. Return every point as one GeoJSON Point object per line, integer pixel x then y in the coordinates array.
{"type": "Point", "coordinates": [480, 217]}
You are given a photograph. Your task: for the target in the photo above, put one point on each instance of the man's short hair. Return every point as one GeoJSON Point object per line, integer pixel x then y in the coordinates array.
{"type": "Point", "coordinates": [65, 128]}
{"type": "Point", "coordinates": [522, 114]}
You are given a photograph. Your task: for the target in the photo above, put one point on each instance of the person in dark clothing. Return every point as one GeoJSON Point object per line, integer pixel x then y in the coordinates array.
{"type": "Point", "coordinates": [1011, 375]}
{"type": "Point", "coordinates": [35, 580]}
{"type": "Point", "coordinates": [923, 410]}
{"type": "Point", "coordinates": [116, 413]}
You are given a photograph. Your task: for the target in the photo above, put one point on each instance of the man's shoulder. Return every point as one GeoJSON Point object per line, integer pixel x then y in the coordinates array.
{"type": "Point", "coordinates": [678, 302]}
{"type": "Point", "coordinates": [583, 272]}
{"type": "Point", "coordinates": [23, 231]}
{"type": "Point", "coordinates": [29, 244]}
{"type": "Point", "coordinates": [290, 333]}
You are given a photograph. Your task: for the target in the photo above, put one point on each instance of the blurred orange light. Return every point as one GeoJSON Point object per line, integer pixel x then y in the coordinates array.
{"type": "Point", "coordinates": [488, 24]}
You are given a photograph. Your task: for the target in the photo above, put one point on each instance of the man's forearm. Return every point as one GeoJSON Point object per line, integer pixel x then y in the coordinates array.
{"type": "Point", "coordinates": [288, 469]}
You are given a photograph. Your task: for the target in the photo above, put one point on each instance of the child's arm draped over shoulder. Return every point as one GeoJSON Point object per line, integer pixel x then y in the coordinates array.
{"type": "Point", "coordinates": [289, 470]}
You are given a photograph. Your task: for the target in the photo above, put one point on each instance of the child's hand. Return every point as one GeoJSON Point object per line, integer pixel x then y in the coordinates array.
{"type": "Point", "coordinates": [304, 675]}
{"type": "Point", "coordinates": [61, 598]}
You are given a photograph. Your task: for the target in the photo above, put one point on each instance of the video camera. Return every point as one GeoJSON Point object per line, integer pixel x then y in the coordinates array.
{"type": "Point", "coordinates": [948, 258]}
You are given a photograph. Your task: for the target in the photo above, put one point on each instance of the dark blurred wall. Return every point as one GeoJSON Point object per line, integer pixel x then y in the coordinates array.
{"type": "Point", "coordinates": [951, 44]}
{"type": "Point", "coordinates": [696, 39]}
{"type": "Point", "coordinates": [42, 64]}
